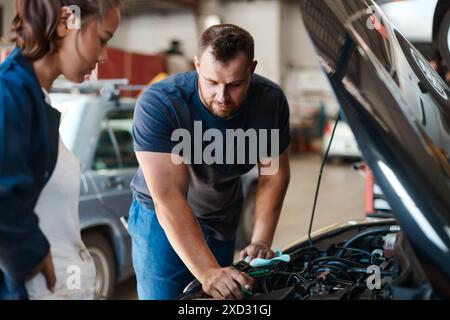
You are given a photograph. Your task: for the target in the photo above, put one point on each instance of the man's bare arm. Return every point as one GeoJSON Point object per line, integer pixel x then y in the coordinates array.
{"type": "Point", "coordinates": [269, 200]}
{"type": "Point", "coordinates": [168, 185]}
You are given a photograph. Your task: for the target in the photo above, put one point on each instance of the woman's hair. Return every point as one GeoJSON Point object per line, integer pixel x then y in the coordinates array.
{"type": "Point", "coordinates": [35, 23]}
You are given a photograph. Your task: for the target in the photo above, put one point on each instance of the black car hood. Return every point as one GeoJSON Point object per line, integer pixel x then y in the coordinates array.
{"type": "Point", "coordinates": [398, 109]}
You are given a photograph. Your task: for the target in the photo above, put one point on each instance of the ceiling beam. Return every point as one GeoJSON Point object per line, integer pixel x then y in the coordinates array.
{"type": "Point", "coordinates": [134, 7]}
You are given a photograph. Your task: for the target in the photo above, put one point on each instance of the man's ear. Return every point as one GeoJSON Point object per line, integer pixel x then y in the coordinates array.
{"type": "Point", "coordinates": [63, 30]}
{"type": "Point", "coordinates": [197, 64]}
{"type": "Point", "coordinates": [253, 66]}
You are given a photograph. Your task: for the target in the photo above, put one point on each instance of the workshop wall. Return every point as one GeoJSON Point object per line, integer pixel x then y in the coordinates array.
{"type": "Point", "coordinates": [249, 15]}
{"type": "Point", "coordinates": [296, 47]}
{"type": "Point", "coordinates": [8, 12]}
{"type": "Point", "coordinates": [151, 33]}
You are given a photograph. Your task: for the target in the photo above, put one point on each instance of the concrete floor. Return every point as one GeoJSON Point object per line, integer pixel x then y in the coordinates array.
{"type": "Point", "coordinates": [341, 198]}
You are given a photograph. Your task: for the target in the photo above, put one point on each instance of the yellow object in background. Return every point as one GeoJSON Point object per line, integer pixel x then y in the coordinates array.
{"type": "Point", "coordinates": [159, 77]}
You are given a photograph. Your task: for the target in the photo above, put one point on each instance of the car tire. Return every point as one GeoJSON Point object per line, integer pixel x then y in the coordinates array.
{"type": "Point", "coordinates": [245, 228]}
{"type": "Point", "coordinates": [105, 264]}
{"type": "Point", "coordinates": [429, 80]}
{"type": "Point", "coordinates": [443, 40]}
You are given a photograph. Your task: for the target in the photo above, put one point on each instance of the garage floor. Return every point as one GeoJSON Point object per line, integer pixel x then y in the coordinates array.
{"type": "Point", "coordinates": [341, 198]}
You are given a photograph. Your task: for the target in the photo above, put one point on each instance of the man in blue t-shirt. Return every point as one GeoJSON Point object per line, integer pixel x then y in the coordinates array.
{"type": "Point", "coordinates": [195, 135]}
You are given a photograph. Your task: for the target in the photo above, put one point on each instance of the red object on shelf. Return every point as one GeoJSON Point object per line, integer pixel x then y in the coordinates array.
{"type": "Point", "coordinates": [115, 66]}
{"type": "Point", "coordinates": [139, 69]}
{"type": "Point", "coordinates": [144, 68]}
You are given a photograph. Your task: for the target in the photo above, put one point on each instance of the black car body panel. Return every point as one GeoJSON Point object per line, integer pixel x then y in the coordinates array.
{"type": "Point", "coordinates": [398, 109]}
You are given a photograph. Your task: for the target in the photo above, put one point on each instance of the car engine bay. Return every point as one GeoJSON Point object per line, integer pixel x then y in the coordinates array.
{"type": "Point", "coordinates": [375, 263]}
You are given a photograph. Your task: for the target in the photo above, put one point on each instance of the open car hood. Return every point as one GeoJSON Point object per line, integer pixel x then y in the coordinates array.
{"type": "Point", "coordinates": [398, 109]}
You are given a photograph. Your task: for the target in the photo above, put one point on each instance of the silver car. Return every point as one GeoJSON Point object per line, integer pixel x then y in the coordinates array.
{"type": "Point", "coordinates": [97, 129]}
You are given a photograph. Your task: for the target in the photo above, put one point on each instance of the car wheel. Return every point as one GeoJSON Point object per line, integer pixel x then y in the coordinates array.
{"type": "Point", "coordinates": [245, 228]}
{"type": "Point", "coordinates": [444, 39]}
{"type": "Point", "coordinates": [105, 264]}
{"type": "Point", "coordinates": [429, 81]}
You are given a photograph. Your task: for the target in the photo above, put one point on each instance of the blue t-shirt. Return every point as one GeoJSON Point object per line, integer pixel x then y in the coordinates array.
{"type": "Point", "coordinates": [170, 118]}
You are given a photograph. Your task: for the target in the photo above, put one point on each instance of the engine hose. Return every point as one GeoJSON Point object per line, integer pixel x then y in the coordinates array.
{"type": "Point", "coordinates": [372, 231]}
{"type": "Point", "coordinates": [337, 264]}
{"type": "Point", "coordinates": [362, 270]}
{"type": "Point", "coordinates": [259, 272]}
{"type": "Point", "coordinates": [332, 258]}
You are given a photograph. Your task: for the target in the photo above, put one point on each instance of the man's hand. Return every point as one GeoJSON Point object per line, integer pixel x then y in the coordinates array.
{"type": "Point", "coordinates": [48, 270]}
{"type": "Point", "coordinates": [257, 249]}
{"type": "Point", "coordinates": [226, 283]}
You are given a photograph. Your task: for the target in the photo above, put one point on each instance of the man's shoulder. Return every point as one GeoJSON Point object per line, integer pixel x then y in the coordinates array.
{"type": "Point", "coordinates": [178, 84]}
{"type": "Point", "coordinates": [266, 91]}
{"type": "Point", "coordinates": [168, 97]}
{"type": "Point", "coordinates": [263, 84]}
{"type": "Point", "coordinates": [177, 87]}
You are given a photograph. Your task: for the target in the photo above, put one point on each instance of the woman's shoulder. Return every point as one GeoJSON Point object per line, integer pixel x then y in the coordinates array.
{"type": "Point", "coordinates": [15, 97]}
{"type": "Point", "coordinates": [17, 75]}
{"type": "Point", "coordinates": [13, 81]}
{"type": "Point", "coordinates": [17, 93]}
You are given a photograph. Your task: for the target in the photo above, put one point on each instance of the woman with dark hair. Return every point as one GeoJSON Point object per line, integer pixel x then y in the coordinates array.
{"type": "Point", "coordinates": [40, 241]}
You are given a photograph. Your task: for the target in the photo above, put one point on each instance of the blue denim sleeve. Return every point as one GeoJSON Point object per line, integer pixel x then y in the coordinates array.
{"type": "Point", "coordinates": [154, 123]}
{"type": "Point", "coordinates": [22, 244]}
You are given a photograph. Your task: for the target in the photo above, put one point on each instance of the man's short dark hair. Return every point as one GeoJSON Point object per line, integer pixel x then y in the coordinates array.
{"type": "Point", "coordinates": [227, 41]}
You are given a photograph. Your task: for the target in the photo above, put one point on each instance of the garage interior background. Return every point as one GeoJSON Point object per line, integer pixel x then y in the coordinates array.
{"type": "Point", "coordinates": [284, 55]}
{"type": "Point", "coordinates": [282, 48]}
